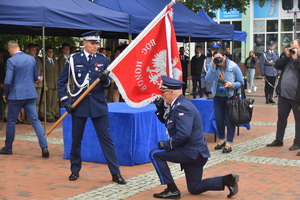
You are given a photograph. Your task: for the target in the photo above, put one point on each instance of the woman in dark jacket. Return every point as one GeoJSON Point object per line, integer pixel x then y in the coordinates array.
{"type": "Point", "coordinates": [250, 64]}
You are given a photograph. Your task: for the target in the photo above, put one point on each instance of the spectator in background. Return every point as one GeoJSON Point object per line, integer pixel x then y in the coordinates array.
{"type": "Point", "coordinates": [267, 69]}
{"type": "Point", "coordinates": [51, 74]}
{"type": "Point", "coordinates": [250, 64]}
{"type": "Point", "coordinates": [108, 54]}
{"type": "Point", "coordinates": [65, 52]}
{"type": "Point", "coordinates": [116, 94]}
{"type": "Point", "coordinates": [196, 71]}
{"type": "Point", "coordinates": [184, 64]}
{"type": "Point", "coordinates": [73, 50]}
{"type": "Point", "coordinates": [228, 54]}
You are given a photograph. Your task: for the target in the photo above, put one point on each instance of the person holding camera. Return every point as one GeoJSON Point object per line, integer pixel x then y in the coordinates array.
{"type": "Point", "coordinates": [225, 76]}
{"type": "Point", "coordinates": [270, 73]}
{"type": "Point", "coordinates": [250, 64]}
{"type": "Point", "coordinates": [288, 91]}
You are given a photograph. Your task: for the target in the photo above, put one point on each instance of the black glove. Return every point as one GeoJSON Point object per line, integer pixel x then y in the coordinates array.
{"type": "Point", "coordinates": [102, 76]}
{"type": "Point", "coordinates": [70, 108]}
{"type": "Point", "coordinates": [160, 103]}
{"type": "Point", "coordinates": [161, 144]}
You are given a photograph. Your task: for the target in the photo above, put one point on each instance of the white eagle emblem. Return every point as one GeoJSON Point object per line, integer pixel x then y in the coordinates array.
{"type": "Point", "coordinates": [159, 68]}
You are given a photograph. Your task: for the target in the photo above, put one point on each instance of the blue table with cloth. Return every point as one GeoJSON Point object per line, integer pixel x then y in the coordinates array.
{"type": "Point", "coordinates": [206, 109]}
{"type": "Point", "coordinates": [134, 131]}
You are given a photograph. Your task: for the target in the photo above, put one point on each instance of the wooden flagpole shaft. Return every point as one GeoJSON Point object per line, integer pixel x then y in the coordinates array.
{"type": "Point", "coordinates": [74, 105]}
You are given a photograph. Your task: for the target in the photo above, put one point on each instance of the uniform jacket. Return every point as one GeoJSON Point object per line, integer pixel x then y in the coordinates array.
{"type": "Point", "coordinates": [51, 73]}
{"type": "Point", "coordinates": [40, 69]}
{"type": "Point", "coordinates": [233, 74]}
{"type": "Point", "coordinates": [61, 62]}
{"type": "Point", "coordinates": [267, 62]}
{"type": "Point", "coordinates": [94, 104]}
{"type": "Point", "coordinates": [184, 65]}
{"type": "Point", "coordinates": [20, 76]}
{"type": "Point", "coordinates": [197, 65]}
{"type": "Point", "coordinates": [185, 129]}
{"type": "Point", "coordinates": [280, 65]}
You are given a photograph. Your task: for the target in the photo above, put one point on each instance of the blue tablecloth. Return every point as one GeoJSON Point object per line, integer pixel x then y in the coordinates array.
{"type": "Point", "coordinates": [206, 110]}
{"type": "Point", "coordinates": [135, 131]}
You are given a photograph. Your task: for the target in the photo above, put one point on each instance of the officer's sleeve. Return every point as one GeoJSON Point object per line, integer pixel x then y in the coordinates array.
{"type": "Point", "coordinates": [183, 123]}
{"type": "Point", "coordinates": [61, 84]}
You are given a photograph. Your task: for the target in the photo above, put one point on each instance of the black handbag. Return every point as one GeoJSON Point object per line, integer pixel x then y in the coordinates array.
{"type": "Point", "coordinates": [240, 110]}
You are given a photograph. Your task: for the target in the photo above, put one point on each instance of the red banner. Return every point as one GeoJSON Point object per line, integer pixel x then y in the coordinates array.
{"type": "Point", "coordinates": [138, 69]}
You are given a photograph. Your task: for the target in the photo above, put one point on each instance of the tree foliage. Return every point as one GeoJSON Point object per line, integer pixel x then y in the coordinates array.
{"type": "Point", "coordinates": [210, 5]}
{"type": "Point", "coordinates": [23, 40]}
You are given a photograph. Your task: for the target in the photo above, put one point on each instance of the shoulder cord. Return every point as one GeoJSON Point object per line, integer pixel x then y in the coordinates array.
{"type": "Point", "coordinates": [85, 83]}
{"type": "Point", "coordinates": [270, 62]}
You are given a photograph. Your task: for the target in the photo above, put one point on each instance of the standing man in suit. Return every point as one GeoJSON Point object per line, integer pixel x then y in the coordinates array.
{"type": "Point", "coordinates": [270, 73]}
{"type": "Point", "coordinates": [65, 49]}
{"type": "Point", "coordinates": [20, 92]}
{"type": "Point", "coordinates": [51, 74]}
{"type": "Point", "coordinates": [184, 64]}
{"type": "Point", "coordinates": [31, 50]}
{"type": "Point", "coordinates": [196, 71]}
{"type": "Point", "coordinates": [86, 66]}
{"type": "Point", "coordinates": [186, 145]}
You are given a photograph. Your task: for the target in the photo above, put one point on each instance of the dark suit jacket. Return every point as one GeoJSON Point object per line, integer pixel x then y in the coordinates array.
{"type": "Point", "coordinates": [184, 65]}
{"type": "Point", "coordinates": [197, 65]}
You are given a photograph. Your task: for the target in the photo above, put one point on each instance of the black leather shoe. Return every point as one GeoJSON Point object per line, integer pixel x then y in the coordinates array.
{"type": "Point", "coordinates": [74, 176]}
{"type": "Point", "coordinates": [220, 146]}
{"type": "Point", "coordinates": [227, 149]}
{"type": "Point", "coordinates": [232, 185]}
{"type": "Point", "coordinates": [45, 152]}
{"type": "Point", "coordinates": [5, 151]}
{"type": "Point", "coordinates": [275, 143]}
{"type": "Point", "coordinates": [295, 146]}
{"type": "Point", "coordinates": [167, 194]}
{"type": "Point", "coordinates": [298, 154]}
{"type": "Point", "coordinates": [118, 179]}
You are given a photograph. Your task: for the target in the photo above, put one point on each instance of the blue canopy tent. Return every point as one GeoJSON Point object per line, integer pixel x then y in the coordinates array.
{"type": "Point", "coordinates": [237, 35]}
{"type": "Point", "coordinates": [186, 23]}
{"type": "Point", "coordinates": [62, 18]}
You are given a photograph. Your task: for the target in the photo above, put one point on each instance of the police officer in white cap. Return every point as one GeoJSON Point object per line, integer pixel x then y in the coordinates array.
{"type": "Point", "coordinates": [85, 67]}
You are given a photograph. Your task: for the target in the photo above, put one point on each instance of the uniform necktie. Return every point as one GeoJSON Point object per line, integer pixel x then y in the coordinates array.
{"type": "Point", "coordinates": [51, 61]}
{"type": "Point", "coordinates": [182, 57]}
{"type": "Point", "coordinates": [90, 58]}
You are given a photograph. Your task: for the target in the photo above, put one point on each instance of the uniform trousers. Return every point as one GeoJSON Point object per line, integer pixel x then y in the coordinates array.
{"type": "Point", "coordinates": [284, 108]}
{"type": "Point", "coordinates": [51, 103]}
{"type": "Point", "coordinates": [269, 89]}
{"type": "Point", "coordinates": [193, 169]}
{"type": "Point", "coordinates": [102, 129]}
{"type": "Point", "coordinates": [14, 107]}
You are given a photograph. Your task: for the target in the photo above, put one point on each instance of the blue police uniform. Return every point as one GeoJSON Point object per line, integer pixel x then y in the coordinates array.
{"type": "Point", "coordinates": [186, 145]}
{"type": "Point", "coordinates": [267, 62]}
{"type": "Point", "coordinates": [93, 105]}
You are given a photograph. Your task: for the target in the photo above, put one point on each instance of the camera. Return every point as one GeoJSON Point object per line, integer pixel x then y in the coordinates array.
{"type": "Point", "coordinates": [291, 51]}
{"type": "Point", "coordinates": [218, 60]}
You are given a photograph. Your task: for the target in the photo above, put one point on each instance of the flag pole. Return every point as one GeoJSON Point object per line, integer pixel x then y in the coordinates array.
{"type": "Point", "coordinates": [74, 105]}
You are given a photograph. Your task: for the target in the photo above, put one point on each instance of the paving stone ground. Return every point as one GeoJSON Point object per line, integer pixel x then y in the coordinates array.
{"type": "Point", "coordinates": [265, 173]}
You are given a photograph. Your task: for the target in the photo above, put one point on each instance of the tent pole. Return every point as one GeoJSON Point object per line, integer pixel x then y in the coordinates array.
{"type": "Point", "coordinates": [44, 83]}
{"type": "Point", "coordinates": [189, 67]}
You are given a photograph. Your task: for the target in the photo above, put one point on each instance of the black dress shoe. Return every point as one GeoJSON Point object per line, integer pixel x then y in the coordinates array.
{"type": "Point", "coordinates": [167, 194]}
{"type": "Point", "coordinates": [220, 146]}
{"type": "Point", "coordinates": [45, 152]}
{"type": "Point", "coordinates": [295, 146]}
{"type": "Point", "coordinates": [118, 179]}
{"type": "Point", "coordinates": [5, 151]}
{"type": "Point", "coordinates": [74, 176]}
{"type": "Point", "coordinates": [275, 143]}
{"type": "Point", "coordinates": [227, 149]}
{"type": "Point", "coordinates": [232, 185]}
{"type": "Point", "coordinates": [298, 154]}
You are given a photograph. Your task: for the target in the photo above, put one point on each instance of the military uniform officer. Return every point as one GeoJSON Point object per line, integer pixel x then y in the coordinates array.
{"type": "Point", "coordinates": [267, 62]}
{"type": "Point", "coordinates": [186, 145]}
{"type": "Point", "coordinates": [85, 67]}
